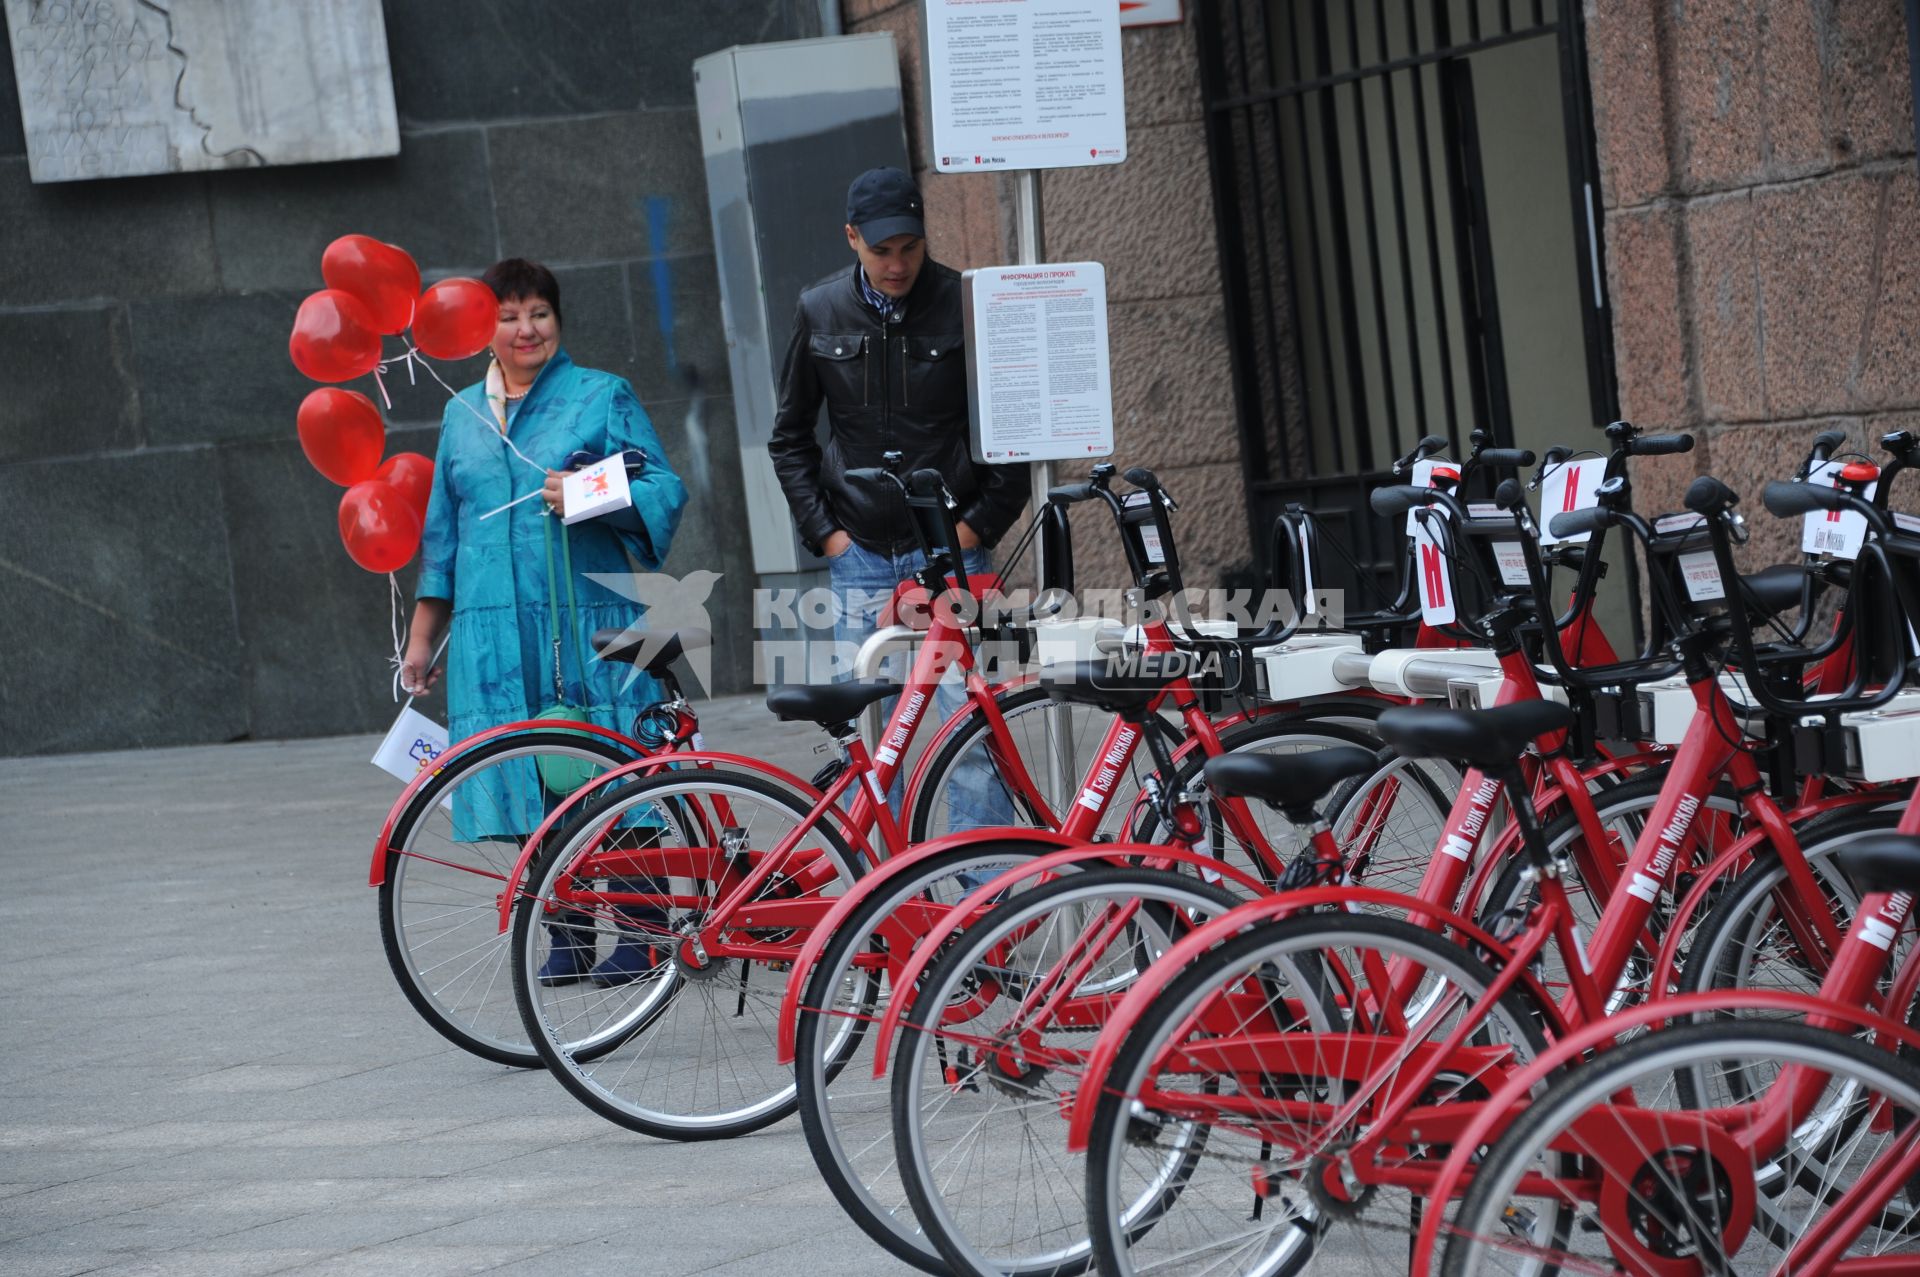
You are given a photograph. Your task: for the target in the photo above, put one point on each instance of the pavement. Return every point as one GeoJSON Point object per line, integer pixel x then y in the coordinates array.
{"type": "Point", "coordinates": [206, 1067]}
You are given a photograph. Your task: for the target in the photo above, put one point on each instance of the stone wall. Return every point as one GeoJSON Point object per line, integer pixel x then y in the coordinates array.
{"type": "Point", "coordinates": [1762, 209]}
{"type": "Point", "coordinates": [170, 564]}
{"type": "Point", "coordinates": [1150, 221]}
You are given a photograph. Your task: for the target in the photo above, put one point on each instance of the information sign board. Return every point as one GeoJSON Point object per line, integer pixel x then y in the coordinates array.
{"type": "Point", "coordinates": [1041, 386]}
{"type": "Point", "coordinates": [1025, 84]}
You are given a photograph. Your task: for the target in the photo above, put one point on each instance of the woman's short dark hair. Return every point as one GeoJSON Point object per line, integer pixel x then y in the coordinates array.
{"type": "Point", "coordinates": [518, 278]}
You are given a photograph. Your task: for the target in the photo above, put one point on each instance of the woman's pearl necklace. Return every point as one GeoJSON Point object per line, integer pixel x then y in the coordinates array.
{"type": "Point", "coordinates": [521, 395]}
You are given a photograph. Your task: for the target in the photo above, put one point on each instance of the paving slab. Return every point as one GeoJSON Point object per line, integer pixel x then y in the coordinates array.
{"type": "Point", "coordinates": [227, 1081]}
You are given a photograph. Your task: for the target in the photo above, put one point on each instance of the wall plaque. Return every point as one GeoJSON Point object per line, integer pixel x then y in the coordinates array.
{"type": "Point", "coordinates": [114, 88]}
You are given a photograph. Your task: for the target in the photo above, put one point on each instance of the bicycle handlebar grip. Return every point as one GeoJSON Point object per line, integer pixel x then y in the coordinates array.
{"type": "Point", "coordinates": [926, 483]}
{"type": "Point", "coordinates": [1827, 440]}
{"type": "Point", "coordinates": [1401, 498]}
{"type": "Point", "coordinates": [1070, 493]}
{"type": "Point", "coordinates": [1707, 495]}
{"type": "Point", "coordinates": [1141, 478]}
{"type": "Point", "coordinates": [1506, 457]}
{"type": "Point", "coordinates": [869, 474]}
{"type": "Point", "coordinates": [1660, 445]}
{"type": "Point", "coordinates": [1556, 454]}
{"type": "Point", "coordinates": [1574, 523]}
{"type": "Point", "coordinates": [1509, 495]}
{"type": "Point", "coordinates": [1426, 447]}
{"type": "Point", "coordinates": [1788, 499]}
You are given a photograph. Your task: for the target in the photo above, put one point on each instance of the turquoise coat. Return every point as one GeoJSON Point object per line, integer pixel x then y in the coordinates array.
{"type": "Point", "coordinates": [499, 661]}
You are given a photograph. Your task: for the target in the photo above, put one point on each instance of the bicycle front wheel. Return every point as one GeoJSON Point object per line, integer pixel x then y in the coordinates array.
{"type": "Point", "coordinates": [979, 1104]}
{"type": "Point", "coordinates": [845, 1113]}
{"type": "Point", "coordinates": [679, 1041]}
{"type": "Point", "coordinates": [1260, 1071]}
{"type": "Point", "coordinates": [1658, 1183]}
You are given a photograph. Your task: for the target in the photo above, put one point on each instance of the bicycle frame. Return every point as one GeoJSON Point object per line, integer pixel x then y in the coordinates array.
{"type": "Point", "coordinates": [1708, 752]}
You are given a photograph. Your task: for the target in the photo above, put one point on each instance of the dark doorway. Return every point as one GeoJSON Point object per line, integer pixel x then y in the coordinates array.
{"type": "Point", "coordinates": [1408, 221]}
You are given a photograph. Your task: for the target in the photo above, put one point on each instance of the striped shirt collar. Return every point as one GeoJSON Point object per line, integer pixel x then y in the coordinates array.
{"type": "Point", "coordinates": [887, 306]}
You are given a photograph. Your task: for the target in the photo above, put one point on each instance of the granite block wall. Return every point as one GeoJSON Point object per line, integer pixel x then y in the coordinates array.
{"type": "Point", "coordinates": [1762, 203]}
{"type": "Point", "coordinates": [169, 568]}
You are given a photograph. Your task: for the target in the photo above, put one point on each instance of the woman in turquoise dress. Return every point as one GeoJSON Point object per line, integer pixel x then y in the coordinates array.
{"type": "Point", "coordinates": [484, 557]}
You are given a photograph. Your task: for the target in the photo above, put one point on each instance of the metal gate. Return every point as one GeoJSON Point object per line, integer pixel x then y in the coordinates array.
{"type": "Point", "coordinates": [1352, 221]}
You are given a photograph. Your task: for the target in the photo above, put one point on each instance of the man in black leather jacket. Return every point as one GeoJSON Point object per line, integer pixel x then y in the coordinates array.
{"type": "Point", "coordinates": [880, 343]}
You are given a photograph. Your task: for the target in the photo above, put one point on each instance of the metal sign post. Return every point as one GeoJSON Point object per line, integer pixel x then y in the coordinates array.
{"type": "Point", "coordinates": [1029, 231]}
{"type": "Point", "coordinates": [1019, 88]}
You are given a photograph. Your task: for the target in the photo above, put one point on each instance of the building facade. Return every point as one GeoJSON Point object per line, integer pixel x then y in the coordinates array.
{"type": "Point", "coordinates": [1341, 226]}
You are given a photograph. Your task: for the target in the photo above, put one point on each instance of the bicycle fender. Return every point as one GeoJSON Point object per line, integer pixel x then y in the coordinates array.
{"type": "Point", "coordinates": [869, 884]}
{"type": "Point", "coordinates": [644, 768]}
{"type": "Point", "coordinates": [1736, 857]}
{"type": "Point", "coordinates": [377, 874]}
{"type": "Point", "coordinates": [1175, 960]}
{"type": "Point", "coordinates": [988, 893]}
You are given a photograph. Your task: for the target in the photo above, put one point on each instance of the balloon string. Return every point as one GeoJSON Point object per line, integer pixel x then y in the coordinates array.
{"type": "Point", "coordinates": [492, 427]}
{"type": "Point", "coordinates": [381, 382]}
{"type": "Point", "coordinates": [398, 660]}
{"type": "Point", "coordinates": [399, 654]}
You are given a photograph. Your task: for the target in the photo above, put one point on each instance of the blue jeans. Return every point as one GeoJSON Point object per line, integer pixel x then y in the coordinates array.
{"type": "Point", "coordinates": [862, 583]}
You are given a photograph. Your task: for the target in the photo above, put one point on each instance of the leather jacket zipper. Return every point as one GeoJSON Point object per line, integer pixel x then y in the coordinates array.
{"type": "Point", "coordinates": [886, 373]}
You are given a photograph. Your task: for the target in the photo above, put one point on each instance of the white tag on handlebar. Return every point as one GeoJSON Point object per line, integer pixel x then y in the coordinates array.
{"type": "Point", "coordinates": [1569, 486]}
{"type": "Point", "coordinates": [1702, 576]}
{"type": "Point", "coordinates": [1422, 477]}
{"type": "Point", "coordinates": [1432, 571]}
{"type": "Point", "coordinates": [1311, 604]}
{"type": "Point", "coordinates": [1839, 533]}
{"type": "Point", "coordinates": [1149, 531]}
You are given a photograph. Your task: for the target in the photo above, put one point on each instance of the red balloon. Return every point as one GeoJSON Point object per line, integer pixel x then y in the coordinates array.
{"type": "Point", "coordinates": [455, 319]}
{"type": "Point", "coordinates": [411, 476]}
{"type": "Point", "coordinates": [378, 526]}
{"type": "Point", "coordinates": [380, 276]}
{"type": "Point", "coordinates": [333, 337]}
{"type": "Point", "coordinates": [341, 433]}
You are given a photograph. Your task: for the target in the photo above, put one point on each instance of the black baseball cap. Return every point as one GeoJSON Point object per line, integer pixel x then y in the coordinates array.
{"type": "Point", "coordinates": [884, 202]}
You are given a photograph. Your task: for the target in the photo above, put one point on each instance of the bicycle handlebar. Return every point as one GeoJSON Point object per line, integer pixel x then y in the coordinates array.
{"type": "Point", "coordinates": [1401, 498]}
{"type": "Point", "coordinates": [1422, 450]}
{"type": "Point", "coordinates": [1509, 458]}
{"type": "Point", "coordinates": [1788, 499]}
{"type": "Point", "coordinates": [1707, 495]}
{"type": "Point", "coordinates": [1573, 523]}
{"type": "Point", "coordinates": [1659, 445]}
